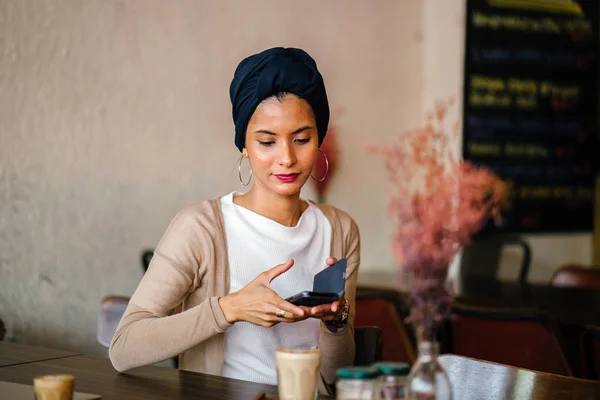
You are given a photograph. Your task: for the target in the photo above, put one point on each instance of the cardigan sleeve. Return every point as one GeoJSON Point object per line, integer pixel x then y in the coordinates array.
{"type": "Point", "coordinates": [147, 332]}
{"type": "Point", "coordinates": [337, 348]}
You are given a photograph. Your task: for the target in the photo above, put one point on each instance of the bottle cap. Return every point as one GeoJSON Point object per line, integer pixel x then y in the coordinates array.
{"type": "Point", "coordinates": [393, 368]}
{"type": "Point", "coordinates": [358, 373]}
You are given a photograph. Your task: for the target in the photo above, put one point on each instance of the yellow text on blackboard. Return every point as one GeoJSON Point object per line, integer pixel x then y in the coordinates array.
{"type": "Point", "coordinates": [491, 91]}
{"type": "Point", "coordinates": [559, 192]}
{"type": "Point", "coordinates": [508, 150]}
{"type": "Point", "coordinates": [540, 25]}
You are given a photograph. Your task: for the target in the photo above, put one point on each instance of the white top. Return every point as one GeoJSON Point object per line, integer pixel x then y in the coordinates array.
{"type": "Point", "coordinates": [254, 245]}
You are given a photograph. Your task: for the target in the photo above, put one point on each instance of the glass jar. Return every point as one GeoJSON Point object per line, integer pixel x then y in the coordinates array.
{"type": "Point", "coordinates": [357, 383]}
{"type": "Point", "coordinates": [393, 380]}
{"type": "Point", "coordinates": [427, 379]}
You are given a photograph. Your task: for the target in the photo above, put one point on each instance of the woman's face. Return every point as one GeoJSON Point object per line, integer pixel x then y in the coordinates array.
{"type": "Point", "coordinates": [282, 144]}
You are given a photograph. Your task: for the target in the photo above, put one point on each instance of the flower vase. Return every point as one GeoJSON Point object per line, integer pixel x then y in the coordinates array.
{"type": "Point", "coordinates": [428, 380]}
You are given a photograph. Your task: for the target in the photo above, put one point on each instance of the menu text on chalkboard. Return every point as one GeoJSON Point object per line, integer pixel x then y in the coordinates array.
{"type": "Point", "coordinates": [531, 107]}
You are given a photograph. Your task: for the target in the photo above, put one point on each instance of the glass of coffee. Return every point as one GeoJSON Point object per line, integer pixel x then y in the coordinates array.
{"type": "Point", "coordinates": [54, 387]}
{"type": "Point", "coordinates": [298, 371]}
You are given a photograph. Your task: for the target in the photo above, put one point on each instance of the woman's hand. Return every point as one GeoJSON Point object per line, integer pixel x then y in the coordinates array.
{"type": "Point", "coordinates": [327, 312]}
{"type": "Point", "coordinates": [258, 304]}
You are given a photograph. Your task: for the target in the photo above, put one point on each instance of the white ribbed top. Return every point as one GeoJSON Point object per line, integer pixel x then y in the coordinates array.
{"type": "Point", "coordinates": [256, 244]}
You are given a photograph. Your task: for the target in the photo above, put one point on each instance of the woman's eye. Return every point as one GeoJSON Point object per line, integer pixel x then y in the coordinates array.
{"type": "Point", "coordinates": [302, 141]}
{"type": "Point", "coordinates": [265, 143]}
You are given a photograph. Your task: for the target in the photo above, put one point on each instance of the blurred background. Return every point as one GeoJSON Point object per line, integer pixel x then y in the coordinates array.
{"type": "Point", "coordinates": [115, 114]}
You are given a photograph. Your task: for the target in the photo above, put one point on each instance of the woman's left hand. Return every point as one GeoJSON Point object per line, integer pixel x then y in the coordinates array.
{"type": "Point", "coordinates": [327, 312]}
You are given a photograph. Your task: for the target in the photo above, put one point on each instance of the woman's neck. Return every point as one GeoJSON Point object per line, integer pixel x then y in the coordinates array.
{"type": "Point", "coordinates": [285, 210]}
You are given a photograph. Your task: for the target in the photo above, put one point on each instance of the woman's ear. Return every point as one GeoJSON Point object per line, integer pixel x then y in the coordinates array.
{"type": "Point", "coordinates": [244, 153]}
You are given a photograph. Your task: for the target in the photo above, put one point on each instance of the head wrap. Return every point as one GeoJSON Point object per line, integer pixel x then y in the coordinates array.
{"type": "Point", "coordinates": [274, 71]}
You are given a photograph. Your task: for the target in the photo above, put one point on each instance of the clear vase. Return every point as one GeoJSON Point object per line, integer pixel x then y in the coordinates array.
{"type": "Point", "coordinates": [428, 379]}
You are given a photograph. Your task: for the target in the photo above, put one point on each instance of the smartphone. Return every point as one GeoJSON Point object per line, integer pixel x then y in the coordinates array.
{"type": "Point", "coordinates": [311, 299]}
{"type": "Point", "coordinates": [328, 286]}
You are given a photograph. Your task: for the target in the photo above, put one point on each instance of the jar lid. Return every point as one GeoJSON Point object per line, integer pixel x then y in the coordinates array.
{"type": "Point", "coordinates": [358, 373]}
{"type": "Point", "coordinates": [392, 368]}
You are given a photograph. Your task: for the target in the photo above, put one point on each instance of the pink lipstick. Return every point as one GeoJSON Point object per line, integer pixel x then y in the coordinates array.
{"type": "Point", "coordinates": [287, 178]}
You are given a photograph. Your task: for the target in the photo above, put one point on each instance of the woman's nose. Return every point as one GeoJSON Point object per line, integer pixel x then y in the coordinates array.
{"type": "Point", "coordinates": [288, 156]}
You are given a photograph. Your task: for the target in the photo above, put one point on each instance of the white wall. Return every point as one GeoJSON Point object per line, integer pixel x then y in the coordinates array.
{"type": "Point", "coordinates": [443, 52]}
{"type": "Point", "coordinates": [115, 114]}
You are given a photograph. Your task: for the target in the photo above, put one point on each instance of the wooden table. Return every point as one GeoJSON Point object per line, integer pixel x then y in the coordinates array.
{"type": "Point", "coordinates": [471, 380]}
{"type": "Point", "coordinates": [570, 306]}
{"type": "Point", "coordinates": [476, 380]}
{"type": "Point", "coordinates": [566, 305]}
{"type": "Point", "coordinates": [96, 375]}
{"type": "Point", "coordinates": [14, 354]}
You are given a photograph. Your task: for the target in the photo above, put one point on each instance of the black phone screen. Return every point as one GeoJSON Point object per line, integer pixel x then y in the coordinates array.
{"type": "Point", "coordinates": [311, 299]}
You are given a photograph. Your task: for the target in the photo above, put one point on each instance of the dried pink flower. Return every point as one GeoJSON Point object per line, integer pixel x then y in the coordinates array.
{"type": "Point", "coordinates": [438, 202]}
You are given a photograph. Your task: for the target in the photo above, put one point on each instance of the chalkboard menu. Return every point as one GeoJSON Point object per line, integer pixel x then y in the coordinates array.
{"type": "Point", "coordinates": [531, 107]}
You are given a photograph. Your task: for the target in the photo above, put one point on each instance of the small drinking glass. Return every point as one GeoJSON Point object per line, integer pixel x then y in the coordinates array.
{"type": "Point", "coordinates": [54, 387]}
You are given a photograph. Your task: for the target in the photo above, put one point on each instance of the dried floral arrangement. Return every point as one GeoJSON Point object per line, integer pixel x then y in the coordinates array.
{"type": "Point", "coordinates": [438, 202]}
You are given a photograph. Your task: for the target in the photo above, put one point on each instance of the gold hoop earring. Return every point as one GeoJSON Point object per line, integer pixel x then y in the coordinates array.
{"type": "Point", "coordinates": [240, 172]}
{"type": "Point", "coordinates": [326, 168]}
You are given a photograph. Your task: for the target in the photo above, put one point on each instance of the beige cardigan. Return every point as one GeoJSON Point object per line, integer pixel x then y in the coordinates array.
{"type": "Point", "coordinates": [190, 269]}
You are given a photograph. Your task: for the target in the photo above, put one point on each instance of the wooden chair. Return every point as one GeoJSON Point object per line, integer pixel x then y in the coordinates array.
{"type": "Point", "coordinates": [590, 352]}
{"type": "Point", "coordinates": [481, 259]}
{"type": "Point", "coordinates": [577, 276]}
{"type": "Point", "coordinates": [386, 309]}
{"type": "Point", "coordinates": [519, 337]}
{"type": "Point", "coordinates": [368, 341]}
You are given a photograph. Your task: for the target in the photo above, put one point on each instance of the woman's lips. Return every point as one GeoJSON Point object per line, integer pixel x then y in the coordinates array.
{"type": "Point", "coordinates": [287, 177]}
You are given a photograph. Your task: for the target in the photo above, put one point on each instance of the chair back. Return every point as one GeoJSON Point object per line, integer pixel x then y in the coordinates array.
{"type": "Point", "coordinates": [386, 309]}
{"type": "Point", "coordinates": [519, 337]}
{"type": "Point", "coordinates": [368, 341]}
{"type": "Point", "coordinates": [2, 330]}
{"type": "Point", "coordinates": [146, 258]}
{"type": "Point", "coordinates": [112, 309]}
{"type": "Point", "coordinates": [481, 259]}
{"type": "Point", "coordinates": [576, 276]}
{"type": "Point", "coordinates": [590, 352]}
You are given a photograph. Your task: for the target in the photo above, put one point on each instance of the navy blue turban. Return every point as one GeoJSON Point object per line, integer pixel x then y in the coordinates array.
{"type": "Point", "coordinates": [274, 71]}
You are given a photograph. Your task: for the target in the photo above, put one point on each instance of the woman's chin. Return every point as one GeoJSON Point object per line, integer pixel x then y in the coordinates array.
{"type": "Point", "coordinates": [280, 188]}
{"type": "Point", "coordinates": [287, 189]}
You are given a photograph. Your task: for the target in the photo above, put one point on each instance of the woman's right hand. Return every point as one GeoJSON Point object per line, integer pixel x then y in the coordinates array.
{"type": "Point", "coordinates": [257, 303]}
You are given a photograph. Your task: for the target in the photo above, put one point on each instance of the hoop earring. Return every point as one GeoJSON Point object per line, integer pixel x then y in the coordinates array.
{"type": "Point", "coordinates": [240, 172]}
{"type": "Point", "coordinates": [326, 168]}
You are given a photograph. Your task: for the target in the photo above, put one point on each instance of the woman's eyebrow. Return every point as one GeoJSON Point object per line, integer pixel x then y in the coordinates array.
{"type": "Point", "coordinates": [304, 128]}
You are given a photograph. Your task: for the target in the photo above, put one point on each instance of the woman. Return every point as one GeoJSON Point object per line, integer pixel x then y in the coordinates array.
{"type": "Point", "coordinates": [230, 262]}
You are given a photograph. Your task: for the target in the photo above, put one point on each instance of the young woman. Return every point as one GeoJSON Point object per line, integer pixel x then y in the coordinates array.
{"type": "Point", "coordinates": [230, 262]}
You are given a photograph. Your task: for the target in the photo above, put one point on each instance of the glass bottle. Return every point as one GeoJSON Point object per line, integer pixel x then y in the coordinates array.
{"type": "Point", "coordinates": [357, 383]}
{"type": "Point", "coordinates": [393, 380]}
{"type": "Point", "coordinates": [427, 379]}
